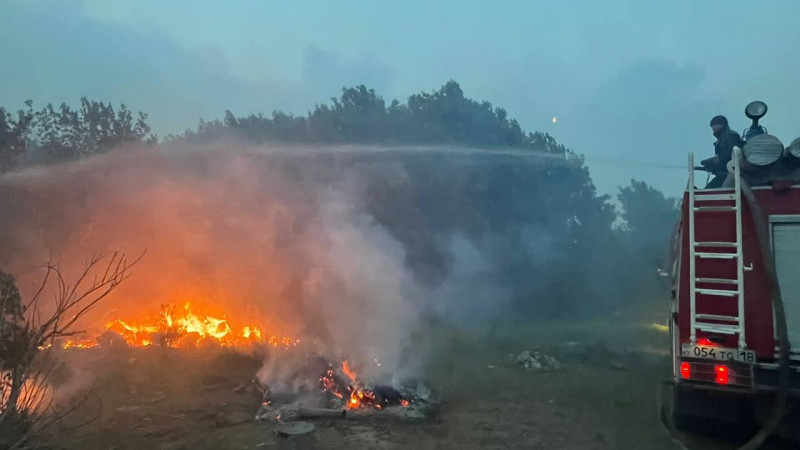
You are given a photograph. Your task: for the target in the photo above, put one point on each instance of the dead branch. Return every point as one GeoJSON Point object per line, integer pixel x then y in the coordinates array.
{"type": "Point", "coordinates": [73, 301]}
{"type": "Point", "coordinates": [26, 398]}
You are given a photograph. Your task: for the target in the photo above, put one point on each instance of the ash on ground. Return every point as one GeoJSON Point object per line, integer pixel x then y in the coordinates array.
{"type": "Point", "coordinates": [536, 360]}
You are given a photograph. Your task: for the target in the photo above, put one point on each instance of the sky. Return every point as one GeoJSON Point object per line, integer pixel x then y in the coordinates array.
{"type": "Point", "coordinates": [633, 83]}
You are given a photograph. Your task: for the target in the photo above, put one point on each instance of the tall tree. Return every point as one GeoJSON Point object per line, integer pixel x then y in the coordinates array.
{"type": "Point", "coordinates": [649, 216]}
{"type": "Point", "coordinates": [649, 221]}
{"type": "Point", "coordinates": [544, 192]}
{"type": "Point", "coordinates": [64, 133]}
{"type": "Point", "coordinates": [13, 134]}
{"type": "Point", "coordinates": [360, 115]}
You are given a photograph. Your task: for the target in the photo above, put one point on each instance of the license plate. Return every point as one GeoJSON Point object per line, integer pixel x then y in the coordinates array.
{"type": "Point", "coordinates": [717, 353]}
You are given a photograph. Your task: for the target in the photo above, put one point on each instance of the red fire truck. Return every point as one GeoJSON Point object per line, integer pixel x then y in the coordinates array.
{"type": "Point", "coordinates": [735, 324]}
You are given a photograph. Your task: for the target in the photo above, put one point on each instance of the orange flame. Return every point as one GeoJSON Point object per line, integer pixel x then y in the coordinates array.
{"type": "Point", "coordinates": [80, 344]}
{"type": "Point", "coordinates": [186, 328]}
{"type": "Point", "coordinates": [350, 374]}
{"type": "Point", "coordinates": [358, 396]}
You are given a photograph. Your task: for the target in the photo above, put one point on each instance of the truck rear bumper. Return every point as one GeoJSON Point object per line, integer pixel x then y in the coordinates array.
{"type": "Point", "coordinates": [723, 403]}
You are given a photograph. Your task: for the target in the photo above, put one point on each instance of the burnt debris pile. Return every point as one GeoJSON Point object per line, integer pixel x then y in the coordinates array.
{"type": "Point", "coordinates": [325, 390]}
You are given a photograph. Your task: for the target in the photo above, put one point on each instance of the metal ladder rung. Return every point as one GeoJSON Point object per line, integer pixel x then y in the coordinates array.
{"type": "Point", "coordinates": [716, 244]}
{"type": "Point", "coordinates": [714, 208]}
{"type": "Point", "coordinates": [726, 201]}
{"type": "Point", "coordinates": [719, 292]}
{"type": "Point", "coordinates": [716, 281]}
{"type": "Point", "coordinates": [708, 255]}
{"type": "Point", "coordinates": [714, 197]}
{"type": "Point", "coordinates": [717, 317]}
{"type": "Point", "coordinates": [718, 328]}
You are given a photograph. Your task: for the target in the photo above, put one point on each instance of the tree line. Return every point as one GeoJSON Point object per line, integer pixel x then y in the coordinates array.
{"type": "Point", "coordinates": [361, 116]}
{"type": "Point", "coordinates": [550, 194]}
{"type": "Point", "coordinates": [57, 134]}
{"type": "Point", "coordinates": [550, 245]}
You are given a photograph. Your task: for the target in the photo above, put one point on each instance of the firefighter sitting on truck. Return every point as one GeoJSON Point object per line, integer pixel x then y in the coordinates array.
{"type": "Point", "coordinates": [723, 151]}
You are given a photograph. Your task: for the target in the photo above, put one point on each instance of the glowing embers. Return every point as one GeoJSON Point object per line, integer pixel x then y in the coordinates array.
{"type": "Point", "coordinates": [80, 343]}
{"type": "Point", "coordinates": [334, 390]}
{"type": "Point", "coordinates": [72, 343]}
{"type": "Point", "coordinates": [186, 327]}
{"type": "Point", "coordinates": [355, 395]}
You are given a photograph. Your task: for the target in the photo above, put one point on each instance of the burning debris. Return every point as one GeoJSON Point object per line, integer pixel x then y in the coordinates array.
{"type": "Point", "coordinates": [338, 393]}
{"type": "Point", "coordinates": [536, 360]}
{"type": "Point", "coordinates": [355, 394]}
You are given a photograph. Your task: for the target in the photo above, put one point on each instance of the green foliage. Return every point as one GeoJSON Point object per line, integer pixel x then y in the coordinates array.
{"type": "Point", "coordinates": [15, 335]}
{"type": "Point", "coordinates": [649, 216]}
{"type": "Point", "coordinates": [554, 247]}
{"type": "Point", "coordinates": [646, 211]}
{"type": "Point", "coordinates": [15, 352]}
{"type": "Point", "coordinates": [650, 219]}
{"type": "Point", "coordinates": [360, 115]}
{"type": "Point", "coordinates": [13, 133]}
{"type": "Point", "coordinates": [65, 134]}
{"type": "Point", "coordinates": [16, 340]}
{"type": "Point", "coordinates": [62, 134]}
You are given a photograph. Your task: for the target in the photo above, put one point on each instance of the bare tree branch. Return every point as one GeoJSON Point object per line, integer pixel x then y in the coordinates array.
{"type": "Point", "coordinates": [26, 398]}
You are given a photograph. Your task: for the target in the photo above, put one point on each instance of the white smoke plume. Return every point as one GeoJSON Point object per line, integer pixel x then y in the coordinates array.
{"type": "Point", "coordinates": [250, 233]}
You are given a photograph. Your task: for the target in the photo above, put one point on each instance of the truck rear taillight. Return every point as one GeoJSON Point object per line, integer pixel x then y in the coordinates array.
{"type": "Point", "coordinates": [731, 374]}
{"type": "Point", "coordinates": [686, 370]}
{"type": "Point", "coordinates": [722, 374]}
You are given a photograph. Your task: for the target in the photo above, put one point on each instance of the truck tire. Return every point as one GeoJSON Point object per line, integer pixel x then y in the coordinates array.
{"type": "Point", "coordinates": [681, 421]}
{"type": "Point", "coordinates": [711, 414]}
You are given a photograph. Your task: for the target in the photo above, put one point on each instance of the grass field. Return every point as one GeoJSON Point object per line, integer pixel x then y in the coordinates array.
{"type": "Point", "coordinates": [602, 398]}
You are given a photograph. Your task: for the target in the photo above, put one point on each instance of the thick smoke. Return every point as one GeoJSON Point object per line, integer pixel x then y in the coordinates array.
{"type": "Point", "coordinates": [347, 249]}
{"type": "Point", "coordinates": [253, 234]}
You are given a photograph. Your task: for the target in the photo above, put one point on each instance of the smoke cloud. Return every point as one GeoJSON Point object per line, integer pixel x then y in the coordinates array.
{"type": "Point", "coordinates": [348, 249]}
{"type": "Point", "coordinates": [254, 234]}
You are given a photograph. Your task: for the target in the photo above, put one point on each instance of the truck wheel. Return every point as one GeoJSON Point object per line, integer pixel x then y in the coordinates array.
{"type": "Point", "coordinates": [709, 414]}
{"type": "Point", "coordinates": [680, 420]}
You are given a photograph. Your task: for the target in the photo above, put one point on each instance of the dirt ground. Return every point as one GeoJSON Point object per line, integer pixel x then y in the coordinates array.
{"type": "Point", "coordinates": [602, 398]}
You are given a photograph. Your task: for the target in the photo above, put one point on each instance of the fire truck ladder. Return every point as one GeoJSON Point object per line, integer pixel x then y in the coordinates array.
{"type": "Point", "coordinates": [731, 203]}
